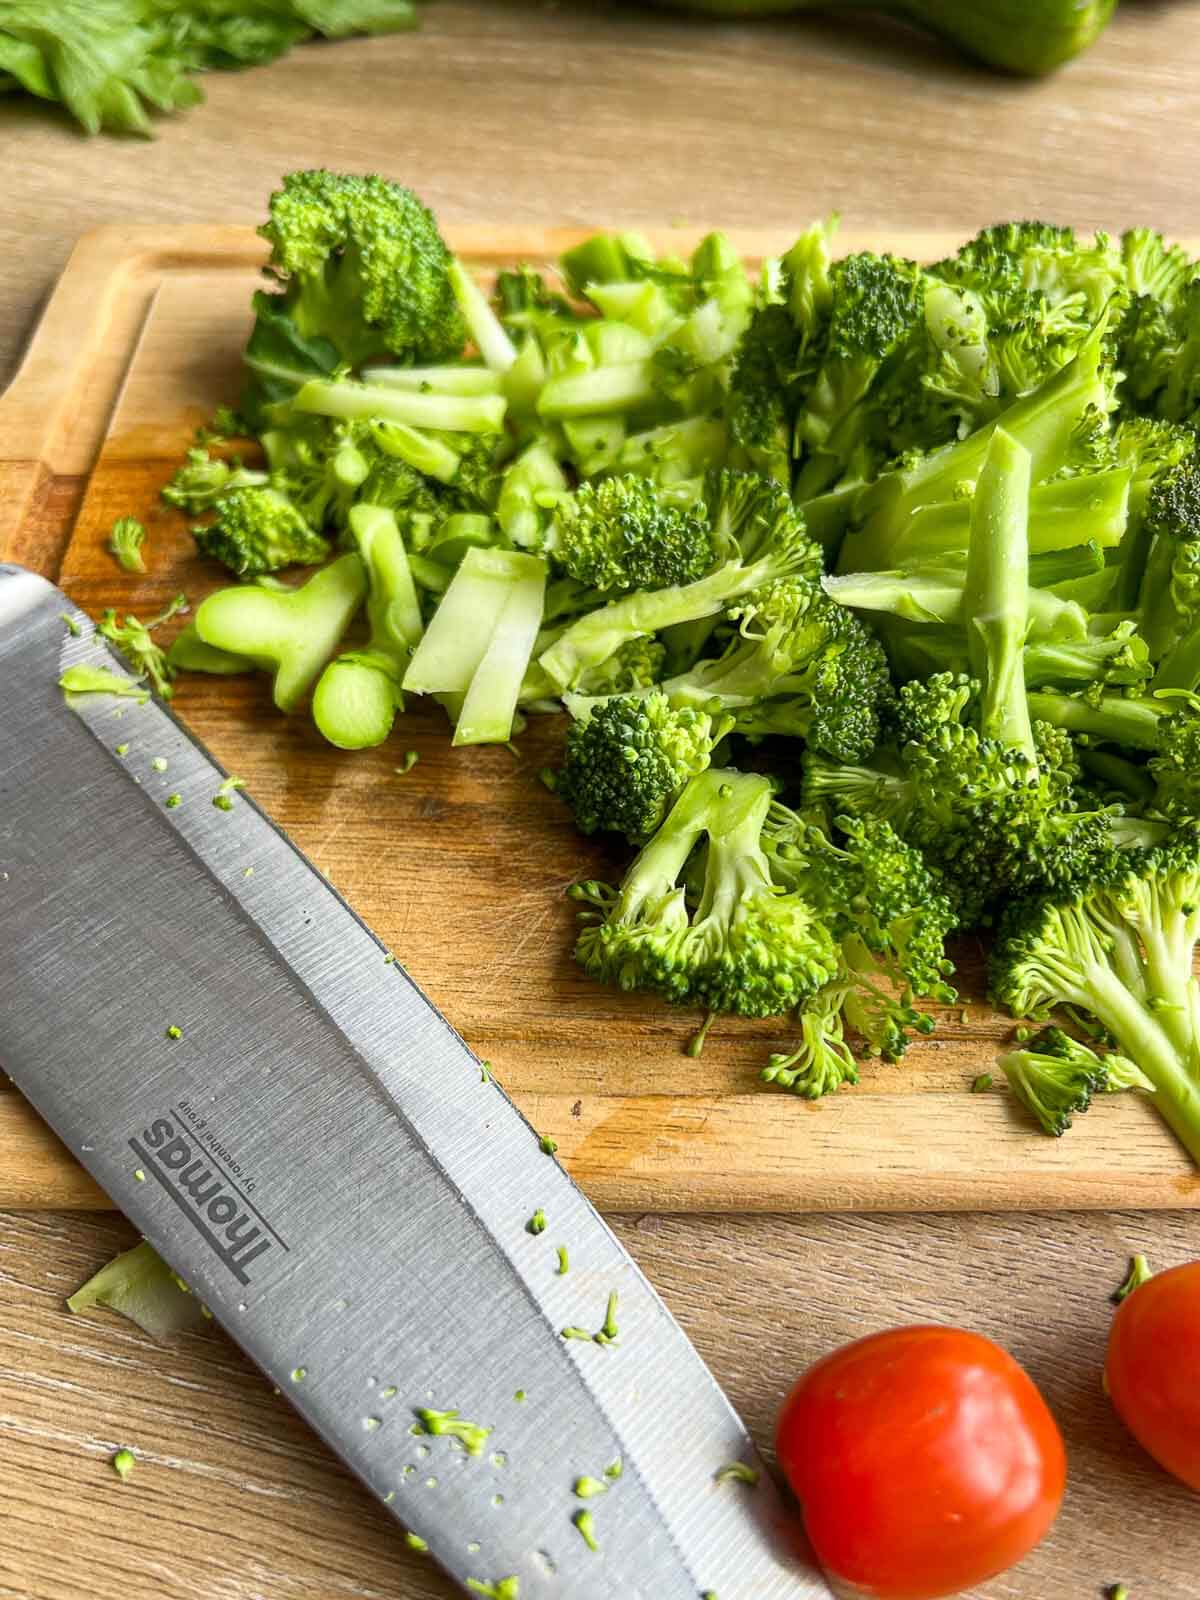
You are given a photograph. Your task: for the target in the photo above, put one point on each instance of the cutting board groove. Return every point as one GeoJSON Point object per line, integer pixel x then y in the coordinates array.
{"type": "Point", "coordinates": [461, 865]}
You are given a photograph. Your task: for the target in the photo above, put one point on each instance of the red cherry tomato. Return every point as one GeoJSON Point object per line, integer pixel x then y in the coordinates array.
{"type": "Point", "coordinates": [1153, 1369]}
{"type": "Point", "coordinates": [924, 1459]}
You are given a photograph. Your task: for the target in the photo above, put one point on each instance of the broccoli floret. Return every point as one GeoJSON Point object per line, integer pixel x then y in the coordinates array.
{"type": "Point", "coordinates": [126, 541]}
{"type": "Point", "coordinates": [203, 479]}
{"type": "Point", "coordinates": [363, 266]}
{"type": "Point", "coordinates": [621, 533]}
{"type": "Point", "coordinates": [1170, 597]}
{"type": "Point", "coordinates": [259, 530]}
{"type": "Point", "coordinates": [628, 759]}
{"type": "Point", "coordinates": [134, 639]}
{"type": "Point", "coordinates": [746, 947]}
{"type": "Point", "coordinates": [798, 664]}
{"type": "Point", "coordinates": [877, 305]}
{"type": "Point", "coordinates": [1119, 947]}
{"type": "Point", "coordinates": [759, 414]}
{"type": "Point", "coordinates": [890, 916]}
{"type": "Point", "coordinates": [1054, 1076]}
{"type": "Point", "coordinates": [756, 536]}
{"type": "Point", "coordinates": [637, 665]}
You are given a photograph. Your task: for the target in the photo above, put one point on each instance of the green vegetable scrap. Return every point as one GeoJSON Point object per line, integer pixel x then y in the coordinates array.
{"type": "Point", "coordinates": [174, 1032]}
{"type": "Point", "coordinates": [586, 1488]}
{"type": "Point", "coordinates": [563, 1261]}
{"type": "Point", "coordinates": [223, 799]}
{"type": "Point", "coordinates": [135, 642]}
{"type": "Point", "coordinates": [139, 1285]}
{"type": "Point", "coordinates": [537, 1222]}
{"type": "Point", "coordinates": [547, 1145]}
{"type": "Point", "coordinates": [128, 535]}
{"type": "Point", "coordinates": [585, 1523]}
{"type": "Point", "coordinates": [982, 1083]}
{"type": "Point", "coordinates": [71, 625]}
{"type": "Point", "coordinates": [414, 1541]}
{"type": "Point", "coordinates": [738, 1472]}
{"type": "Point", "coordinates": [470, 1435]}
{"type": "Point", "coordinates": [122, 1464]}
{"type": "Point", "coordinates": [1139, 1273]}
{"type": "Point", "coordinates": [99, 680]}
{"type": "Point", "coordinates": [502, 1589]}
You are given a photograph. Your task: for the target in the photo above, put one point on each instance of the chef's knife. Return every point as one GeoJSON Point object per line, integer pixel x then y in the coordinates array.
{"type": "Point", "coordinates": [295, 1128]}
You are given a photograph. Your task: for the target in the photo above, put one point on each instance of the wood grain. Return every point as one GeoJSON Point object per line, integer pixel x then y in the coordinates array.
{"type": "Point", "coordinates": [461, 865]}
{"type": "Point", "coordinates": [585, 112]}
{"type": "Point", "coordinates": [233, 1499]}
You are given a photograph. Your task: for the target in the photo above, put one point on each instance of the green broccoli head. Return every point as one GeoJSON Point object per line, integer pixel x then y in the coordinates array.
{"type": "Point", "coordinates": [259, 530]}
{"type": "Point", "coordinates": [363, 266]}
{"type": "Point", "coordinates": [745, 946]}
{"type": "Point", "coordinates": [637, 665]}
{"type": "Point", "coordinates": [628, 759]}
{"type": "Point", "coordinates": [620, 533]}
{"type": "Point", "coordinates": [759, 408]}
{"type": "Point", "coordinates": [202, 479]}
{"type": "Point", "coordinates": [1175, 764]}
{"type": "Point", "coordinates": [1054, 1076]}
{"type": "Point", "coordinates": [824, 674]}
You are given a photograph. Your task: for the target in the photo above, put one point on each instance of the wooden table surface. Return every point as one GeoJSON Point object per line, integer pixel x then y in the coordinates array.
{"type": "Point", "coordinates": [589, 113]}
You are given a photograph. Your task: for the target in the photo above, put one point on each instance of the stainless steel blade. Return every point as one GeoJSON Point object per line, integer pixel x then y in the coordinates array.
{"type": "Point", "coordinates": [321, 1157]}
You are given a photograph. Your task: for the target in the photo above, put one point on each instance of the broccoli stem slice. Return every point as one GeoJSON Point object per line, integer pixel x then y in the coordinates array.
{"type": "Point", "coordinates": [358, 695]}
{"type": "Point", "coordinates": [1117, 719]}
{"type": "Point", "coordinates": [491, 701]}
{"type": "Point", "coordinates": [936, 595]}
{"type": "Point", "coordinates": [604, 391]}
{"type": "Point", "coordinates": [436, 380]}
{"type": "Point", "coordinates": [428, 455]}
{"type": "Point", "coordinates": [449, 413]}
{"type": "Point", "coordinates": [996, 592]}
{"type": "Point", "coordinates": [484, 326]}
{"type": "Point", "coordinates": [1058, 510]}
{"type": "Point", "coordinates": [189, 653]}
{"type": "Point", "coordinates": [1180, 667]}
{"type": "Point", "coordinates": [291, 634]}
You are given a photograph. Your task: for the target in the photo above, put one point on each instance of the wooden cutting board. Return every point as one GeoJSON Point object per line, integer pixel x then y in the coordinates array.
{"type": "Point", "coordinates": [461, 865]}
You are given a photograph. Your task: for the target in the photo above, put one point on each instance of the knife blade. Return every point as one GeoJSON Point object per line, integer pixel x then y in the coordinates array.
{"type": "Point", "coordinates": [265, 1093]}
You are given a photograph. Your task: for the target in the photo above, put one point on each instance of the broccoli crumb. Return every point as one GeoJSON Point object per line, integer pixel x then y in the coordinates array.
{"type": "Point", "coordinates": [470, 1435]}
{"type": "Point", "coordinates": [607, 1332]}
{"type": "Point", "coordinates": [563, 1262]}
{"type": "Point", "coordinates": [982, 1083]}
{"type": "Point", "coordinates": [737, 1472]}
{"type": "Point", "coordinates": [159, 764]}
{"type": "Point", "coordinates": [122, 1464]}
{"type": "Point", "coordinates": [138, 1175]}
{"type": "Point", "coordinates": [172, 801]}
{"type": "Point", "coordinates": [520, 1396]}
{"type": "Point", "coordinates": [1138, 1274]}
{"type": "Point", "coordinates": [576, 1333]}
{"type": "Point", "coordinates": [411, 757]}
{"type": "Point", "coordinates": [586, 1525]}
{"type": "Point", "coordinates": [485, 1072]}
{"type": "Point", "coordinates": [299, 1374]}
{"type": "Point", "coordinates": [502, 1589]}
{"type": "Point", "coordinates": [537, 1222]}
{"type": "Point", "coordinates": [695, 1045]}
{"type": "Point", "coordinates": [223, 799]}
{"type": "Point", "coordinates": [121, 750]}
{"type": "Point", "coordinates": [613, 1470]}
{"type": "Point", "coordinates": [547, 1145]}
{"type": "Point", "coordinates": [414, 1541]}
{"type": "Point", "coordinates": [99, 680]}
{"type": "Point", "coordinates": [586, 1488]}
{"type": "Point", "coordinates": [72, 626]}
{"type": "Point", "coordinates": [174, 1032]}
{"type": "Point", "coordinates": [1119, 1591]}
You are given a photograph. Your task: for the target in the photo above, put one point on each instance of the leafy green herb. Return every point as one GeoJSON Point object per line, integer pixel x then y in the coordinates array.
{"type": "Point", "coordinates": [128, 535]}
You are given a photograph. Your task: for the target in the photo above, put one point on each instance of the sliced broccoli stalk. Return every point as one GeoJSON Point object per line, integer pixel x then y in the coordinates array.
{"type": "Point", "coordinates": [484, 326]}
{"type": "Point", "coordinates": [480, 641]}
{"type": "Point", "coordinates": [138, 1284]}
{"type": "Point", "coordinates": [615, 390]}
{"type": "Point", "coordinates": [531, 488]}
{"type": "Point", "coordinates": [1124, 720]}
{"type": "Point", "coordinates": [464, 379]}
{"type": "Point", "coordinates": [189, 653]}
{"type": "Point", "coordinates": [451, 413]}
{"type": "Point", "coordinates": [1059, 511]}
{"type": "Point", "coordinates": [936, 595]}
{"type": "Point", "coordinates": [426, 452]}
{"type": "Point", "coordinates": [1119, 948]}
{"type": "Point", "coordinates": [996, 593]}
{"type": "Point", "coordinates": [358, 695]}
{"type": "Point", "coordinates": [1046, 422]}
{"type": "Point", "coordinates": [291, 634]}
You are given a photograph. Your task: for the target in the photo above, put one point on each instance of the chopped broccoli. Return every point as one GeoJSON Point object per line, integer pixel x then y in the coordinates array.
{"type": "Point", "coordinates": [627, 759]}
{"type": "Point", "coordinates": [122, 1463]}
{"type": "Point", "coordinates": [1117, 945]}
{"type": "Point", "coordinates": [135, 642]}
{"type": "Point", "coordinates": [756, 536]}
{"type": "Point", "coordinates": [620, 534]}
{"type": "Point", "coordinates": [747, 947]}
{"type": "Point", "coordinates": [258, 530]}
{"type": "Point", "coordinates": [1054, 1075]}
{"type": "Point", "coordinates": [125, 543]}
{"type": "Point", "coordinates": [139, 1285]}
{"type": "Point", "coordinates": [196, 486]}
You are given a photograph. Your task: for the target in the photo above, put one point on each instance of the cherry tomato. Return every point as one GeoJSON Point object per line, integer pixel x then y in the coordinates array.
{"type": "Point", "coordinates": [924, 1459]}
{"type": "Point", "coordinates": [1153, 1369]}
